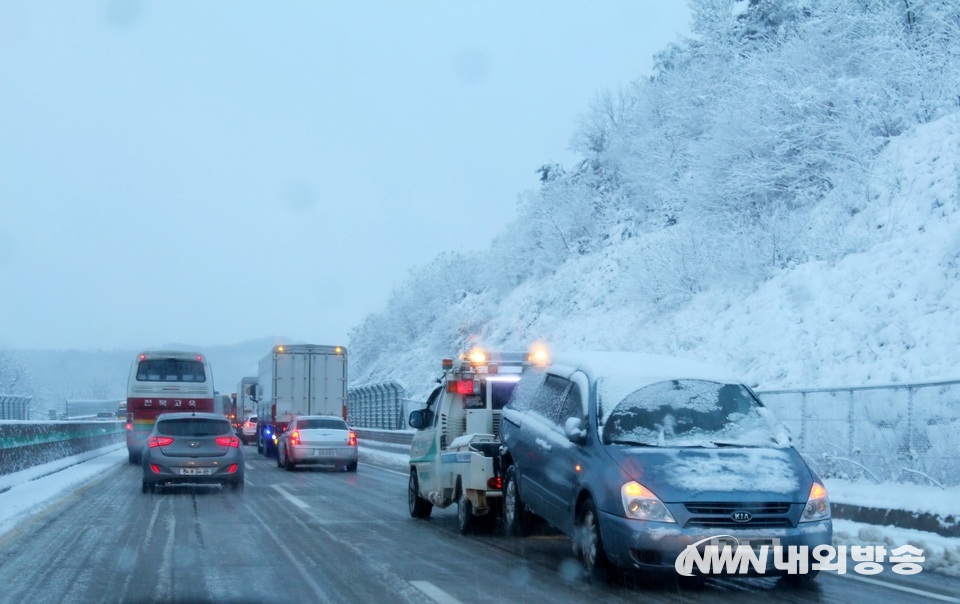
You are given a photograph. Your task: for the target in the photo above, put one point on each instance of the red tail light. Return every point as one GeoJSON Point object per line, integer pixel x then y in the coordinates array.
{"type": "Point", "coordinates": [130, 426]}
{"type": "Point", "coordinates": [232, 468]}
{"type": "Point", "coordinates": [495, 483]}
{"type": "Point", "coordinates": [160, 441]}
{"type": "Point", "coordinates": [295, 437]}
{"type": "Point", "coordinates": [352, 439]}
{"type": "Point", "coordinates": [228, 441]}
{"type": "Point", "coordinates": [155, 468]}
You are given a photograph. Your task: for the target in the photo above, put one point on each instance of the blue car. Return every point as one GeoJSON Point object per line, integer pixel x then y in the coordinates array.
{"type": "Point", "coordinates": [639, 458]}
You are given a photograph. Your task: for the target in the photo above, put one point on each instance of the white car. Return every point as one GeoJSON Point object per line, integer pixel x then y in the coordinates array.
{"type": "Point", "coordinates": [323, 440]}
{"type": "Point", "coordinates": [248, 433]}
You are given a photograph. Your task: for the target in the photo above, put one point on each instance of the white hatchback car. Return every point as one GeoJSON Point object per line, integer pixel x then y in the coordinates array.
{"type": "Point", "coordinates": [323, 440]}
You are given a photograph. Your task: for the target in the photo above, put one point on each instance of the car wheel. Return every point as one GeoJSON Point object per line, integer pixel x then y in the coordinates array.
{"type": "Point", "coordinates": [588, 544]}
{"type": "Point", "coordinates": [287, 464]}
{"type": "Point", "coordinates": [515, 515]}
{"type": "Point", "coordinates": [146, 487]}
{"type": "Point", "coordinates": [464, 511]}
{"type": "Point", "coordinates": [420, 508]}
{"type": "Point", "coordinates": [237, 486]}
{"type": "Point", "coordinates": [279, 462]}
{"type": "Point", "coordinates": [352, 466]}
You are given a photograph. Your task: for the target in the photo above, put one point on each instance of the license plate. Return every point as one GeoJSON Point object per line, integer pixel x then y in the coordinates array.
{"type": "Point", "coordinates": [324, 452]}
{"type": "Point", "coordinates": [196, 471]}
{"type": "Point", "coordinates": [753, 543]}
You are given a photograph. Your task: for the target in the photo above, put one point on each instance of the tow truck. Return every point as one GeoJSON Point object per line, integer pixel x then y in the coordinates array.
{"type": "Point", "coordinates": [454, 457]}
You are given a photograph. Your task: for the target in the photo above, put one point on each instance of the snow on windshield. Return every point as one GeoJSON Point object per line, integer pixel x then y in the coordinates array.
{"type": "Point", "coordinates": [688, 413]}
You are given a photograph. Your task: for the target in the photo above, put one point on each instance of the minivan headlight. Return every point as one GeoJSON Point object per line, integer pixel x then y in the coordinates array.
{"type": "Point", "coordinates": [818, 505]}
{"type": "Point", "coordinates": [640, 503]}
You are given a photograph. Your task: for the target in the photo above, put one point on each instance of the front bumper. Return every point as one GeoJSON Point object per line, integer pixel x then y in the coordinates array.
{"type": "Point", "coordinates": [655, 546]}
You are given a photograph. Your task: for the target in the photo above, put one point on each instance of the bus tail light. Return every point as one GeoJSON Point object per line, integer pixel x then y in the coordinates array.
{"type": "Point", "coordinates": [495, 482]}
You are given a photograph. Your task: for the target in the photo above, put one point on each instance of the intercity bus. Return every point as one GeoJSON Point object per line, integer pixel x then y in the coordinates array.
{"type": "Point", "coordinates": [164, 381]}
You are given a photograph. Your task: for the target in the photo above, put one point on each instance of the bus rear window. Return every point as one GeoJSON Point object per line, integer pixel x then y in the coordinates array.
{"type": "Point", "coordinates": [170, 370]}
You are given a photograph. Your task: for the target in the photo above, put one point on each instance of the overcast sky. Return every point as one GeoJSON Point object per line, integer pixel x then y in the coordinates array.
{"type": "Point", "coordinates": [212, 172]}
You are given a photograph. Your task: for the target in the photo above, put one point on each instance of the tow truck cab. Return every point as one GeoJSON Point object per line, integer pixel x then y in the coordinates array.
{"type": "Point", "coordinates": [454, 457]}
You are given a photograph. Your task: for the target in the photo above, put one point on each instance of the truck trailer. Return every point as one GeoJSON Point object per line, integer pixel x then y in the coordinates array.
{"type": "Point", "coordinates": [298, 379]}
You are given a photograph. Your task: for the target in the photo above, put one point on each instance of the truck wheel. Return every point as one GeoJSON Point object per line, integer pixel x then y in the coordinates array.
{"type": "Point", "coordinates": [588, 545]}
{"type": "Point", "coordinates": [420, 508]}
{"type": "Point", "coordinates": [464, 511]}
{"type": "Point", "coordinates": [515, 515]}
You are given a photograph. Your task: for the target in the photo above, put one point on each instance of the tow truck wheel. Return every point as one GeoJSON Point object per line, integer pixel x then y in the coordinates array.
{"type": "Point", "coordinates": [420, 508]}
{"type": "Point", "coordinates": [464, 511]}
{"type": "Point", "coordinates": [515, 521]}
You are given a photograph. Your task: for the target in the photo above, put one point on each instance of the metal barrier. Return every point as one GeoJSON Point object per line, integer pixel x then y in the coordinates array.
{"type": "Point", "coordinates": [14, 407]}
{"type": "Point", "coordinates": [381, 406]}
{"type": "Point", "coordinates": [897, 432]}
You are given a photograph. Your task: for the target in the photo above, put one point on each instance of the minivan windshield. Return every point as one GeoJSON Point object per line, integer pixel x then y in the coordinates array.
{"type": "Point", "coordinates": [681, 413]}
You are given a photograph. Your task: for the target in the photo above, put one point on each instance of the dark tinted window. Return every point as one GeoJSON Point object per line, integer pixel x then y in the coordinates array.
{"type": "Point", "coordinates": [194, 426]}
{"type": "Point", "coordinates": [331, 423]}
{"type": "Point", "coordinates": [170, 370]}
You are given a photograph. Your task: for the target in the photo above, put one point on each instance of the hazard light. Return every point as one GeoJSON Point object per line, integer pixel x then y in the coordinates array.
{"type": "Point", "coordinates": [477, 356]}
{"type": "Point", "coordinates": [538, 355]}
{"type": "Point", "coordinates": [461, 386]}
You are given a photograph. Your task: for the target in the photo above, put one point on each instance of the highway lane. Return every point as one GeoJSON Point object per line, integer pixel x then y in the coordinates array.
{"type": "Point", "coordinates": [317, 536]}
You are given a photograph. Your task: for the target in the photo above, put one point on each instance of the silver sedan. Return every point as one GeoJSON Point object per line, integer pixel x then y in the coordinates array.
{"type": "Point", "coordinates": [322, 440]}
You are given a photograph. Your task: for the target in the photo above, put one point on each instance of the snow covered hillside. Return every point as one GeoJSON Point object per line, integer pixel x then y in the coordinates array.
{"type": "Point", "coordinates": [885, 312]}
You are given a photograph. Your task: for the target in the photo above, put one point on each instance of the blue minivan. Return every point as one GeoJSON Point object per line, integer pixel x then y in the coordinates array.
{"type": "Point", "coordinates": [638, 456]}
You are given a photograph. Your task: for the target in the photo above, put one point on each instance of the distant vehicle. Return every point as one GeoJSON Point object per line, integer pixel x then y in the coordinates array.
{"type": "Point", "coordinates": [245, 403]}
{"type": "Point", "coordinates": [320, 440]}
{"type": "Point", "coordinates": [249, 433]}
{"type": "Point", "coordinates": [192, 448]}
{"type": "Point", "coordinates": [637, 456]}
{"type": "Point", "coordinates": [163, 381]}
{"type": "Point", "coordinates": [122, 411]}
{"type": "Point", "coordinates": [294, 380]}
{"type": "Point", "coordinates": [106, 416]}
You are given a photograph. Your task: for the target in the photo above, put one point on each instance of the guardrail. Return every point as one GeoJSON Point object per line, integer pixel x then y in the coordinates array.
{"type": "Point", "coordinates": [24, 445]}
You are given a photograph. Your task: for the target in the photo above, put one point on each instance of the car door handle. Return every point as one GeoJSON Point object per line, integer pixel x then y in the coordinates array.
{"type": "Point", "coordinates": [544, 444]}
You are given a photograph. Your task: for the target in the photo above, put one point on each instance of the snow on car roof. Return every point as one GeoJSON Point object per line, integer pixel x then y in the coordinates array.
{"type": "Point", "coordinates": [621, 373]}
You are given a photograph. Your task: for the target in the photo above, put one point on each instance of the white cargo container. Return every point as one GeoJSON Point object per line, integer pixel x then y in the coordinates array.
{"type": "Point", "coordinates": [246, 393]}
{"type": "Point", "coordinates": [301, 379]}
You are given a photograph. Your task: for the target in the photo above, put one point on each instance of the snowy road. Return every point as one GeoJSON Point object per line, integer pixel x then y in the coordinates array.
{"type": "Point", "coordinates": [319, 536]}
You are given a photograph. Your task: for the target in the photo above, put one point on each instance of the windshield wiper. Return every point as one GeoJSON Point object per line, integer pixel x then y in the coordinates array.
{"type": "Point", "coordinates": [741, 445]}
{"type": "Point", "coordinates": [631, 443]}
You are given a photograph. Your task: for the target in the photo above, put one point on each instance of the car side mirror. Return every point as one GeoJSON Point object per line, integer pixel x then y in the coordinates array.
{"type": "Point", "coordinates": [416, 419]}
{"type": "Point", "coordinates": [573, 428]}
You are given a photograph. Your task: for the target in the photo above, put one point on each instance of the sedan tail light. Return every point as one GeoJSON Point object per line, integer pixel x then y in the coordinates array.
{"type": "Point", "coordinates": [295, 437]}
{"type": "Point", "coordinates": [352, 439]}
{"type": "Point", "coordinates": [160, 441]}
{"type": "Point", "coordinates": [228, 441]}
